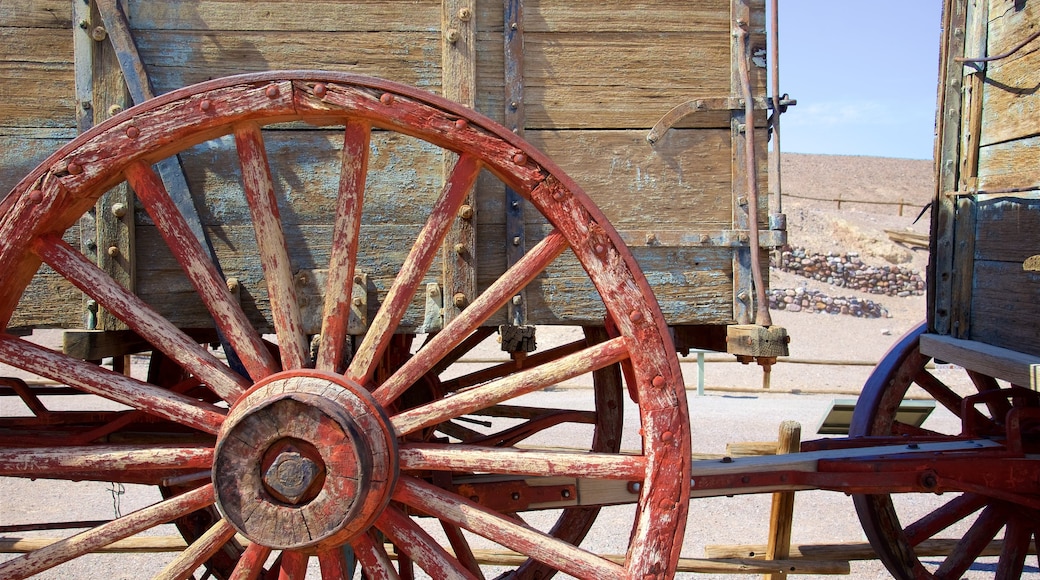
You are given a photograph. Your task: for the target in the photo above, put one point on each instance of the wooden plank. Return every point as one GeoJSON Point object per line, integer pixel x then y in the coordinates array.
{"type": "Point", "coordinates": [1012, 102]}
{"type": "Point", "coordinates": [281, 16]}
{"type": "Point", "coordinates": [1014, 366]}
{"type": "Point", "coordinates": [692, 285]}
{"type": "Point", "coordinates": [610, 16]}
{"type": "Point", "coordinates": [403, 181]}
{"type": "Point", "coordinates": [1003, 310]}
{"type": "Point", "coordinates": [23, 149]}
{"type": "Point", "coordinates": [683, 182]}
{"type": "Point", "coordinates": [781, 517]}
{"type": "Point", "coordinates": [1014, 165]}
{"type": "Point", "coordinates": [845, 550]}
{"type": "Point", "coordinates": [459, 83]}
{"type": "Point", "coordinates": [948, 120]}
{"type": "Point", "coordinates": [36, 90]}
{"type": "Point", "coordinates": [176, 58]}
{"type": "Point", "coordinates": [113, 217]}
{"type": "Point", "coordinates": [1008, 228]}
{"type": "Point", "coordinates": [37, 14]}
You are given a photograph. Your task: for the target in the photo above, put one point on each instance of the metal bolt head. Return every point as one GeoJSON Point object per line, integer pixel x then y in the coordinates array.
{"type": "Point", "coordinates": [290, 477]}
{"type": "Point", "coordinates": [459, 300]}
{"type": "Point", "coordinates": [119, 209]}
{"type": "Point", "coordinates": [465, 14]}
{"type": "Point", "coordinates": [466, 212]}
{"type": "Point", "coordinates": [99, 33]}
{"type": "Point", "coordinates": [451, 35]}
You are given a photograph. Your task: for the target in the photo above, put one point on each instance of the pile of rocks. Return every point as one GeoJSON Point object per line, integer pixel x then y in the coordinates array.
{"type": "Point", "coordinates": [847, 270]}
{"type": "Point", "coordinates": [803, 300]}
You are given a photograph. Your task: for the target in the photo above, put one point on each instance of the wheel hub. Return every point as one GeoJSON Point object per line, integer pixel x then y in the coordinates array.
{"type": "Point", "coordinates": [305, 459]}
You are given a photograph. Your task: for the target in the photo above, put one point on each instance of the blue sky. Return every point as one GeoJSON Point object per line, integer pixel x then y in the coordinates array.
{"type": "Point", "coordinates": [864, 75]}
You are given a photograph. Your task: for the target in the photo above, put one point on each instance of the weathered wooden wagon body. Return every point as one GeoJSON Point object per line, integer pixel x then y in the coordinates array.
{"type": "Point", "coordinates": [583, 83]}
{"type": "Point", "coordinates": [308, 253]}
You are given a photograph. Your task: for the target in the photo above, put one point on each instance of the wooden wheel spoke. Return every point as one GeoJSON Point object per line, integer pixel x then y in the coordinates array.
{"type": "Point", "coordinates": [343, 259]}
{"type": "Point", "coordinates": [373, 558]}
{"type": "Point", "coordinates": [198, 552]}
{"type": "Point", "coordinates": [973, 543]}
{"type": "Point", "coordinates": [948, 514]}
{"type": "Point", "coordinates": [513, 435]}
{"type": "Point", "coordinates": [335, 565]}
{"type": "Point", "coordinates": [506, 368]}
{"type": "Point", "coordinates": [102, 460]}
{"type": "Point", "coordinates": [420, 547]}
{"type": "Point", "coordinates": [292, 565]}
{"type": "Point", "coordinates": [538, 378]}
{"type": "Point", "coordinates": [251, 564]}
{"type": "Point", "coordinates": [943, 394]}
{"type": "Point", "coordinates": [1017, 537]}
{"type": "Point", "coordinates": [481, 521]}
{"type": "Point", "coordinates": [140, 317]}
{"type": "Point", "coordinates": [270, 241]}
{"type": "Point", "coordinates": [204, 276]}
{"type": "Point", "coordinates": [494, 298]}
{"type": "Point", "coordinates": [463, 551]}
{"type": "Point", "coordinates": [110, 385]}
{"type": "Point", "coordinates": [415, 266]}
{"type": "Point", "coordinates": [107, 533]}
{"type": "Point", "coordinates": [473, 458]}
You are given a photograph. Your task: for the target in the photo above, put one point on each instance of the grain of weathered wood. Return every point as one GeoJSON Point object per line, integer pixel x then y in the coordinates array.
{"type": "Point", "coordinates": [38, 91]}
{"type": "Point", "coordinates": [1003, 310]}
{"type": "Point", "coordinates": [1011, 165]}
{"type": "Point", "coordinates": [1008, 229]}
{"type": "Point", "coordinates": [37, 14]}
{"type": "Point", "coordinates": [224, 16]}
{"type": "Point", "coordinates": [1012, 98]}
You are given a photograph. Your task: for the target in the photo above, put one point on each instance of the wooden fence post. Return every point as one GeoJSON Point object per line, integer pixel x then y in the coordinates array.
{"type": "Point", "coordinates": [780, 519]}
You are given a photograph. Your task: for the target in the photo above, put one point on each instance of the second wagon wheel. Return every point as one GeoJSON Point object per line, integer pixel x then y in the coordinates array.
{"type": "Point", "coordinates": [326, 451]}
{"type": "Point", "coordinates": [942, 536]}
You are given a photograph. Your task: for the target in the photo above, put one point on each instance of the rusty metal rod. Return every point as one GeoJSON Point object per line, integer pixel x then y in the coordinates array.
{"type": "Point", "coordinates": [762, 316]}
{"type": "Point", "coordinates": [1010, 52]}
{"type": "Point", "coordinates": [774, 58]}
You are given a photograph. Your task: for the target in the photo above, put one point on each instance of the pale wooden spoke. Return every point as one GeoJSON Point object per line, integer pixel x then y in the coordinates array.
{"type": "Point", "coordinates": [95, 538]}
{"type": "Point", "coordinates": [251, 563]}
{"type": "Point", "coordinates": [494, 298]}
{"type": "Point", "coordinates": [373, 558]}
{"type": "Point", "coordinates": [334, 564]}
{"type": "Point", "coordinates": [420, 547]}
{"type": "Point", "coordinates": [198, 552]}
{"type": "Point", "coordinates": [335, 320]}
{"type": "Point", "coordinates": [110, 385]}
{"type": "Point", "coordinates": [140, 317]}
{"type": "Point", "coordinates": [270, 242]}
{"type": "Point", "coordinates": [114, 460]}
{"type": "Point", "coordinates": [226, 312]}
{"type": "Point", "coordinates": [415, 266]}
{"type": "Point", "coordinates": [481, 521]}
{"type": "Point", "coordinates": [474, 458]}
{"type": "Point", "coordinates": [293, 565]}
{"type": "Point", "coordinates": [483, 396]}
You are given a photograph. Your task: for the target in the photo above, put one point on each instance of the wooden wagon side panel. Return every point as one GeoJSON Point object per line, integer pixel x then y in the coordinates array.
{"type": "Point", "coordinates": [596, 78]}
{"type": "Point", "coordinates": [985, 289]}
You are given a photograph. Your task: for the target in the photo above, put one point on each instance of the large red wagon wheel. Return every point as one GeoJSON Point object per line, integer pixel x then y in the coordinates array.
{"type": "Point", "coordinates": [311, 457]}
{"type": "Point", "coordinates": [899, 527]}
